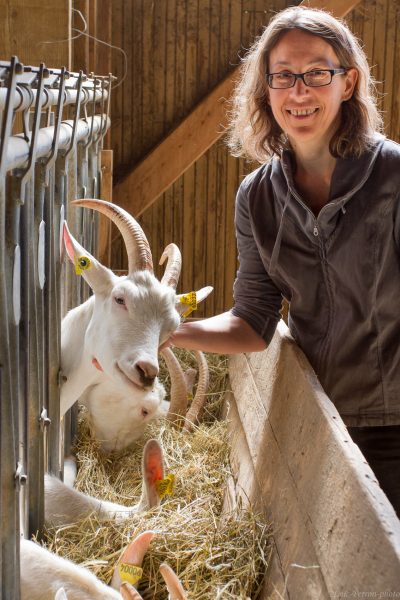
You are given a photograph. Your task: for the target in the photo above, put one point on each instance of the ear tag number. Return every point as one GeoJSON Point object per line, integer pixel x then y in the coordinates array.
{"type": "Point", "coordinates": [130, 573]}
{"type": "Point", "coordinates": [191, 300]}
{"type": "Point", "coordinates": [165, 486]}
{"type": "Point", "coordinates": [82, 263]}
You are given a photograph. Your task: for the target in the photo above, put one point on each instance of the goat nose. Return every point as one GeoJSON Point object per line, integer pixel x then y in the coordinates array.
{"type": "Point", "coordinates": [147, 372]}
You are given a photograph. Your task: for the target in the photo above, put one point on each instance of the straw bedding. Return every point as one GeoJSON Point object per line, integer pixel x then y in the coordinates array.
{"type": "Point", "coordinates": [216, 554]}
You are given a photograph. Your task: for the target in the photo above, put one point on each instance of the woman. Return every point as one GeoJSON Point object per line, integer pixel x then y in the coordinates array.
{"type": "Point", "coordinates": [318, 224]}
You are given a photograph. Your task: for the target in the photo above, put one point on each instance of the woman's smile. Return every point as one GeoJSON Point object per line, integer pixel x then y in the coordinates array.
{"type": "Point", "coordinates": [307, 114]}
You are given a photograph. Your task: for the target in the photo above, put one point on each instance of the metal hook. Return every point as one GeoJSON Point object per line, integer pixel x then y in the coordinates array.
{"type": "Point", "coordinates": [54, 147]}
{"type": "Point", "coordinates": [77, 111]}
{"type": "Point", "coordinates": [15, 68]}
{"type": "Point", "coordinates": [43, 72]}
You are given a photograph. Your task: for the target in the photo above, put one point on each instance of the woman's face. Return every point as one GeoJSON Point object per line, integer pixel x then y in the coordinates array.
{"type": "Point", "coordinates": [308, 115]}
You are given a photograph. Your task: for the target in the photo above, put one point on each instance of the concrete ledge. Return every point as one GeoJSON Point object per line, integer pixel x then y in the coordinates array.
{"type": "Point", "coordinates": [336, 534]}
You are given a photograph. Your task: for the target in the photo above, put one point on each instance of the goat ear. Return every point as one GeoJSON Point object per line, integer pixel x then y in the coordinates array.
{"type": "Point", "coordinates": [133, 556]}
{"type": "Point", "coordinates": [153, 471]}
{"type": "Point", "coordinates": [98, 277]}
{"type": "Point", "coordinates": [186, 303]}
{"type": "Point", "coordinates": [174, 586]}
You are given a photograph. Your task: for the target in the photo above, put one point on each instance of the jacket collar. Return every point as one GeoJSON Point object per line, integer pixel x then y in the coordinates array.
{"type": "Point", "coordinates": [349, 175]}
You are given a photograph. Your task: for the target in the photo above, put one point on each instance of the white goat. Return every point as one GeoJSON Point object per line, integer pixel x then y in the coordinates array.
{"type": "Point", "coordinates": [46, 576]}
{"type": "Point", "coordinates": [109, 344]}
{"type": "Point", "coordinates": [64, 504]}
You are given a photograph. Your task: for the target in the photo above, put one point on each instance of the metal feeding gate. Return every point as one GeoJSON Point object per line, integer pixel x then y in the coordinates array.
{"type": "Point", "coordinates": [52, 129]}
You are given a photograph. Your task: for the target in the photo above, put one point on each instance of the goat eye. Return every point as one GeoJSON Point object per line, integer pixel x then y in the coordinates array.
{"type": "Point", "coordinates": [145, 412]}
{"type": "Point", "coordinates": [120, 300]}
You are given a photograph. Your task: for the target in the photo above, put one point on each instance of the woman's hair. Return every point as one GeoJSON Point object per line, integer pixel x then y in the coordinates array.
{"type": "Point", "coordinates": [253, 130]}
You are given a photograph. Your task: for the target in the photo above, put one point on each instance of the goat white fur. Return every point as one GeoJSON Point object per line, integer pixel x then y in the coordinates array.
{"type": "Point", "coordinates": [46, 576]}
{"type": "Point", "coordinates": [64, 504]}
{"type": "Point", "coordinates": [109, 344]}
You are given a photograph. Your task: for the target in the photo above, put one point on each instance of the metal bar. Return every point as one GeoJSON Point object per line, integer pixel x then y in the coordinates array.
{"type": "Point", "coordinates": [20, 100]}
{"type": "Point", "coordinates": [9, 410]}
{"type": "Point", "coordinates": [34, 133]}
{"type": "Point", "coordinates": [77, 111]}
{"type": "Point", "coordinates": [18, 149]}
{"type": "Point", "coordinates": [9, 517]}
{"type": "Point", "coordinates": [52, 309]}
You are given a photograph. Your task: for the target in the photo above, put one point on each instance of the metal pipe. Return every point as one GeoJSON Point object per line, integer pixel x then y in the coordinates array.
{"type": "Point", "coordinates": [23, 97]}
{"type": "Point", "coordinates": [17, 152]}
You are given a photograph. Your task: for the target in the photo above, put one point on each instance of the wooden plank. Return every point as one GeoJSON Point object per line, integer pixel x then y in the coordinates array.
{"type": "Point", "coordinates": [104, 252]}
{"type": "Point", "coordinates": [135, 73]}
{"type": "Point", "coordinates": [153, 74]}
{"type": "Point", "coordinates": [228, 269]}
{"type": "Point", "coordinates": [203, 51]}
{"type": "Point", "coordinates": [328, 511]}
{"type": "Point", "coordinates": [199, 221]}
{"type": "Point", "coordinates": [36, 31]}
{"type": "Point", "coordinates": [93, 24]}
{"type": "Point", "coordinates": [117, 95]}
{"type": "Point", "coordinates": [211, 227]}
{"type": "Point", "coordinates": [129, 45]}
{"type": "Point", "coordinates": [219, 258]}
{"type": "Point", "coordinates": [390, 53]}
{"type": "Point", "coordinates": [197, 132]}
{"type": "Point", "coordinates": [80, 45]}
{"type": "Point", "coordinates": [189, 187]}
{"type": "Point", "coordinates": [170, 68]}
{"type": "Point", "coordinates": [395, 92]}
{"type": "Point", "coordinates": [339, 8]}
{"type": "Point", "coordinates": [288, 524]}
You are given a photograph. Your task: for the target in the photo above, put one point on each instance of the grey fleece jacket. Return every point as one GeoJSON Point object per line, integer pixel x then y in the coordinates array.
{"type": "Point", "coordinates": [340, 272]}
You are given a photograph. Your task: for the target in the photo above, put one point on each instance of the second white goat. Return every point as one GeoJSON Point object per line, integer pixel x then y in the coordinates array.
{"type": "Point", "coordinates": [109, 344]}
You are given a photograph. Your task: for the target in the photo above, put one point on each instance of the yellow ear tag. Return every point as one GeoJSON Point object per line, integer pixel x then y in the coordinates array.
{"type": "Point", "coordinates": [191, 300]}
{"type": "Point", "coordinates": [189, 397]}
{"type": "Point", "coordinates": [82, 263]}
{"type": "Point", "coordinates": [165, 486]}
{"type": "Point", "coordinates": [130, 573]}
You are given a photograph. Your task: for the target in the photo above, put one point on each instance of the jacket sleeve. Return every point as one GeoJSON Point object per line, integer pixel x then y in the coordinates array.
{"type": "Point", "coordinates": [257, 299]}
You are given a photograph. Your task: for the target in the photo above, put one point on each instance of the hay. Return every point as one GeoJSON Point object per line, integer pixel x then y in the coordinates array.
{"type": "Point", "coordinates": [215, 555]}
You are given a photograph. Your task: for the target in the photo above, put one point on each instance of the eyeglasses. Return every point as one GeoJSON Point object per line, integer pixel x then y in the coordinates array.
{"type": "Point", "coordinates": [315, 78]}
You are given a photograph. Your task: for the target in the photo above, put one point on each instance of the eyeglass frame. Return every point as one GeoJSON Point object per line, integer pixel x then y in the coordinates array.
{"type": "Point", "coordinates": [339, 71]}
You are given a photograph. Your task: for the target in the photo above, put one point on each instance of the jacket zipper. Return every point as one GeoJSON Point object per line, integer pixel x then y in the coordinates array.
{"type": "Point", "coordinates": [324, 346]}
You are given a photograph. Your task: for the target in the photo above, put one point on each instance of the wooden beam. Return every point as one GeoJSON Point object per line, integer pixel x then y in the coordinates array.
{"type": "Point", "coordinates": [191, 139]}
{"type": "Point", "coordinates": [170, 159]}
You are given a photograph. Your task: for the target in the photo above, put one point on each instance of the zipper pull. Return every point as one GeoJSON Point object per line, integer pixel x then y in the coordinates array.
{"type": "Point", "coordinates": [315, 232]}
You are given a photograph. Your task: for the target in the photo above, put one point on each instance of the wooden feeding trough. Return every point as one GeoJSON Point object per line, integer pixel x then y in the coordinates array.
{"type": "Point", "coordinates": [335, 534]}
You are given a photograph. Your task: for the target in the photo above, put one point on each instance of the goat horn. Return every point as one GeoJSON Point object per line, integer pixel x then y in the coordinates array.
{"type": "Point", "coordinates": [173, 268]}
{"type": "Point", "coordinates": [178, 402]}
{"type": "Point", "coordinates": [194, 412]}
{"type": "Point", "coordinates": [137, 246]}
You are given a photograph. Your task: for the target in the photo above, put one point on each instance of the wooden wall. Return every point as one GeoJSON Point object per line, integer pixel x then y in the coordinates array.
{"type": "Point", "coordinates": [36, 31]}
{"type": "Point", "coordinates": [177, 51]}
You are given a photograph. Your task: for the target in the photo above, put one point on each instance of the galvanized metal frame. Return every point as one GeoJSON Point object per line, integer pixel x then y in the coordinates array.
{"type": "Point", "coordinates": [41, 170]}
